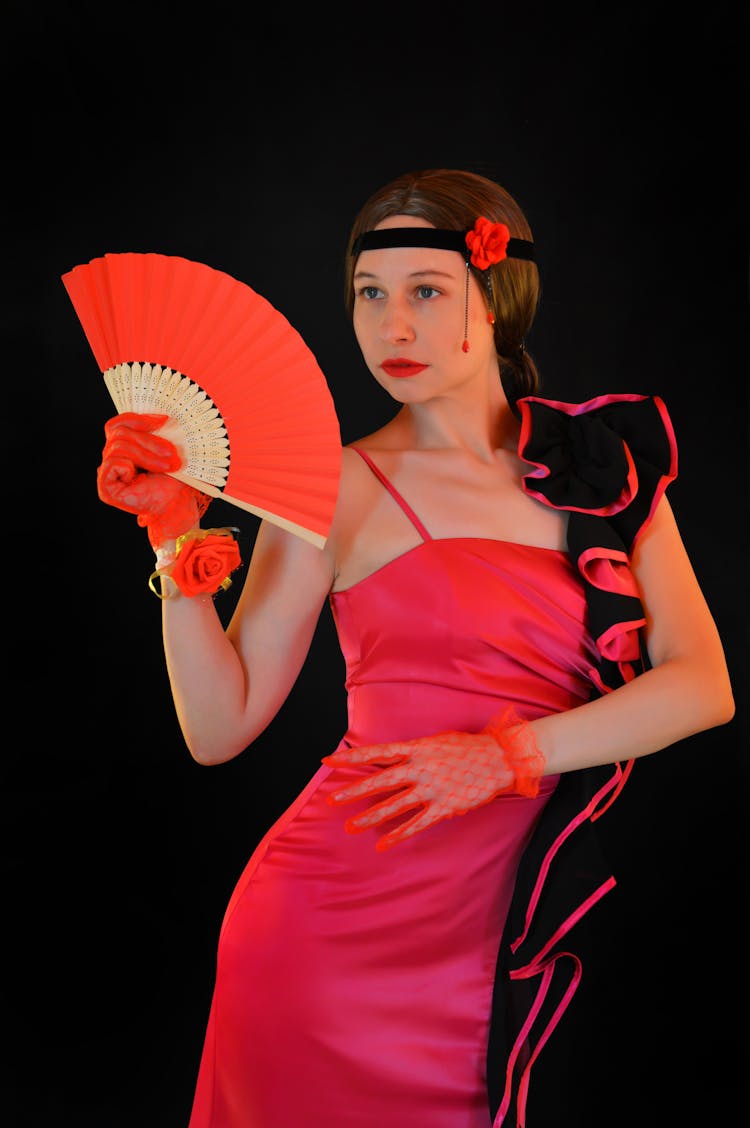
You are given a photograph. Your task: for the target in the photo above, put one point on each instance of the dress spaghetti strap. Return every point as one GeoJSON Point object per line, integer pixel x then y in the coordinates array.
{"type": "Point", "coordinates": [404, 505]}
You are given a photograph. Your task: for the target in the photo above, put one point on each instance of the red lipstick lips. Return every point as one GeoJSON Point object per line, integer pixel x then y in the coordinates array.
{"type": "Point", "coordinates": [399, 366]}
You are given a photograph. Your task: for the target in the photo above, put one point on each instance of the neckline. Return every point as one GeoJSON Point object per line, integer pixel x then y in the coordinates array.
{"type": "Point", "coordinates": [559, 552]}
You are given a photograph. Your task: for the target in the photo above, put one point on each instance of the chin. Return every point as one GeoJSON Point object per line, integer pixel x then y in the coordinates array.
{"type": "Point", "coordinates": [406, 391]}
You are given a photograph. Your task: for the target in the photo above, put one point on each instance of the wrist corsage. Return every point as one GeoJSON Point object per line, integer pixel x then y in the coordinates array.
{"type": "Point", "coordinates": [203, 562]}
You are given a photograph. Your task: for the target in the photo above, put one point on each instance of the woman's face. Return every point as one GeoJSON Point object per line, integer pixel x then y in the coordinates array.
{"type": "Point", "coordinates": [410, 320]}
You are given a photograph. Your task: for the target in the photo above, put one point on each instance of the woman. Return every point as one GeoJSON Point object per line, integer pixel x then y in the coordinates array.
{"type": "Point", "coordinates": [519, 619]}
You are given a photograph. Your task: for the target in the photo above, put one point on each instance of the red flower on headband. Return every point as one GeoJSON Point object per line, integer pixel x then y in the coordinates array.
{"type": "Point", "coordinates": [487, 242]}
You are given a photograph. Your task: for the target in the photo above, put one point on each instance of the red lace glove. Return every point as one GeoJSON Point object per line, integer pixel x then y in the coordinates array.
{"type": "Point", "coordinates": [447, 774]}
{"type": "Point", "coordinates": [133, 476]}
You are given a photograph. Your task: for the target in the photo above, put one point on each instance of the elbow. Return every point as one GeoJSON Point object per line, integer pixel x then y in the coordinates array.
{"type": "Point", "coordinates": [213, 738]}
{"type": "Point", "coordinates": [210, 753]}
{"type": "Point", "coordinates": [699, 688]}
{"type": "Point", "coordinates": [218, 744]}
{"type": "Point", "coordinates": [713, 692]}
{"type": "Point", "coordinates": [204, 758]}
{"type": "Point", "coordinates": [722, 695]}
{"type": "Point", "coordinates": [724, 706]}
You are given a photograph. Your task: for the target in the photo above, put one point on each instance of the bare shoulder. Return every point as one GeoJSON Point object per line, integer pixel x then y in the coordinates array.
{"type": "Point", "coordinates": [356, 484]}
{"type": "Point", "coordinates": [357, 479]}
{"type": "Point", "coordinates": [361, 534]}
{"type": "Point", "coordinates": [659, 535]}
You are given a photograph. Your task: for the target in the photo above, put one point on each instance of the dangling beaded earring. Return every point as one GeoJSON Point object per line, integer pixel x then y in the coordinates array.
{"type": "Point", "coordinates": [465, 345]}
{"type": "Point", "coordinates": [490, 301]}
{"type": "Point", "coordinates": [490, 304]}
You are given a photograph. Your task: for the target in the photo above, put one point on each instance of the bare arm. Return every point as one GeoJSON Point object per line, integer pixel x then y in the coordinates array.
{"type": "Point", "coordinates": [229, 684]}
{"type": "Point", "coordinates": [687, 690]}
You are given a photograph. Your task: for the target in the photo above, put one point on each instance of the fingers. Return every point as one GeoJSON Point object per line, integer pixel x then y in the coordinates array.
{"type": "Point", "coordinates": [119, 483]}
{"type": "Point", "coordinates": [147, 451]}
{"type": "Point", "coordinates": [368, 754]}
{"type": "Point", "coordinates": [155, 459]}
{"type": "Point", "coordinates": [382, 812]}
{"type": "Point", "coordinates": [131, 447]}
{"type": "Point", "coordinates": [384, 780]}
{"type": "Point", "coordinates": [137, 421]}
{"type": "Point", "coordinates": [407, 829]}
{"type": "Point", "coordinates": [114, 484]}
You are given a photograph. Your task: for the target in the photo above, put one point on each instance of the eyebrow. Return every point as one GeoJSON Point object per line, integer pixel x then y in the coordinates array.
{"type": "Point", "coordinates": [413, 274]}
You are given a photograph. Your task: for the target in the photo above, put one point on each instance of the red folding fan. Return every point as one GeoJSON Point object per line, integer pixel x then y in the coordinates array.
{"type": "Point", "coordinates": [251, 412]}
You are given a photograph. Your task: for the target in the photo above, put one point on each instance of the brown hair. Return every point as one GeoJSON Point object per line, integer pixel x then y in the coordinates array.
{"type": "Point", "coordinates": [454, 198]}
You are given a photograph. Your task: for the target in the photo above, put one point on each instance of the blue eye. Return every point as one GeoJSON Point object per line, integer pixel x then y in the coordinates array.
{"type": "Point", "coordinates": [426, 291]}
{"type": "Point", "coordinates": [369, 292]}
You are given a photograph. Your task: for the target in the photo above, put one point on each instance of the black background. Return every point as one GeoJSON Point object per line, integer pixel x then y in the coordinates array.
{"type": "Point", "coordinates": [248, 140]}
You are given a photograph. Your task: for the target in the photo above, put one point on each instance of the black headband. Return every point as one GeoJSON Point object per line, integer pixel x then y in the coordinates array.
{"type": "Point", "coordinates": [439, 237]}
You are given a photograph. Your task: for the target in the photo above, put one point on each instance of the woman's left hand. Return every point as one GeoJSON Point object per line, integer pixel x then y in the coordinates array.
{"type": "Point", "coordinates": [447, 774]}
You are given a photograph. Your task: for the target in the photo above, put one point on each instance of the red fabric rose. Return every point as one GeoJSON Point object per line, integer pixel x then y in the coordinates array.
{"type": "Point", "coordinates": [204, 563]}
{"type": "Point", "coordinates": [487, 242]}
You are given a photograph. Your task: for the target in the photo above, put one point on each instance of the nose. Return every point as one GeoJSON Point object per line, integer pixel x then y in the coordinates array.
{"type": "Point", "coordinates": [396, 322]}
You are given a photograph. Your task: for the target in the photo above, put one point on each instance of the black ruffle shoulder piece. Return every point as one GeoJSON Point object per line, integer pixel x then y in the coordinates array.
{"type": "Point", "coordinates": [607, 461]}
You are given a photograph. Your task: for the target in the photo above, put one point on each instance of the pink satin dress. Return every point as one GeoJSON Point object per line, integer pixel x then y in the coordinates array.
{"type": "Point", "coordinates": [354, 987]}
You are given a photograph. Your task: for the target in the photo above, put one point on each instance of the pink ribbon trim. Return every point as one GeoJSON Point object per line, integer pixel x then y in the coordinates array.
{"type": "Point", "coordinates": [543, 963]}
{"type": "Point", "coordinates": [587, 812]}
{"type": "Point", "coordinates": [547, 969]}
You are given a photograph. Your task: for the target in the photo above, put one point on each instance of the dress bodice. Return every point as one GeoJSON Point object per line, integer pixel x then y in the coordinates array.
{"type": "Point", "coordinates": [449, 632]}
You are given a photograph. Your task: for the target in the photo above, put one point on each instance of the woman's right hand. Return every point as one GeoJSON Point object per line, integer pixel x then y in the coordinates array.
{"type": "Point", "coordinates": [134, 476]}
